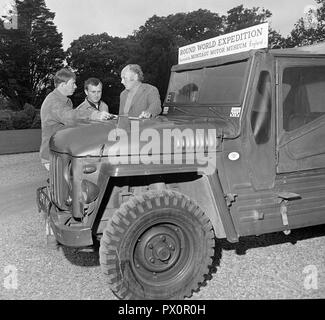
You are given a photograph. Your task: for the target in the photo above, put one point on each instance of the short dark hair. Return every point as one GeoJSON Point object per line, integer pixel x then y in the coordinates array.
{"type": "Point", "coordinates": [135, 68]}
{"type": "Point", "coordinates": [93, 82]}
{"type": "Point", "coordinates": [63, 75]}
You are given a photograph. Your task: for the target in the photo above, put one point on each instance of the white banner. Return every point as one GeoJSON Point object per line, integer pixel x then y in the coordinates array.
{"type": "Point", "coordinates": [255, 37]}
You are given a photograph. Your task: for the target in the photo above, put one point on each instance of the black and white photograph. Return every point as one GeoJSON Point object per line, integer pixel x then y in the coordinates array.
{"type": "Point", "coordinates": [162, 150]}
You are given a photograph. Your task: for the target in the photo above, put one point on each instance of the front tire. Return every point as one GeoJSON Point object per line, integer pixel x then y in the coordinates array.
{"type": "Point", "coordinates": [157, 246]}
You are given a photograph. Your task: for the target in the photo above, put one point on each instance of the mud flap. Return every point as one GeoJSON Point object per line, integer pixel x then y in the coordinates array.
{"type": "Point", "coordinates": [43, 200]}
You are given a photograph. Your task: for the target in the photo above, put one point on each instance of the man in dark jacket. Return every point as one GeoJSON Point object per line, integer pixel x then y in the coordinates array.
{"type": "Point", "coordinates": [93, 89]}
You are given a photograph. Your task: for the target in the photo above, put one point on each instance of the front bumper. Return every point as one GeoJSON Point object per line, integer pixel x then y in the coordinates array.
{"type": "Point", "coordinates": [71, 235]}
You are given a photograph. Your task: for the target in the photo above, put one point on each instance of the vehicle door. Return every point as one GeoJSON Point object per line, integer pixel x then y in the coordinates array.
{"type": "Point", "coordinates": [301, 138]}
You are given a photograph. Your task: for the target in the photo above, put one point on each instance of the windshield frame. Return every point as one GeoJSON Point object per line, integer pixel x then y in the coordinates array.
{"type": "Point", "coordinates": [183, 112]}
{"type": "Point", "coordinates": [205, 69]}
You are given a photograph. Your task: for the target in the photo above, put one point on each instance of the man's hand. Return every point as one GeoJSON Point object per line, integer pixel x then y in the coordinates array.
{"type": "Point", "coordinates": [145, 115]}
{"type": "Point", "coordinates": [101, 115]}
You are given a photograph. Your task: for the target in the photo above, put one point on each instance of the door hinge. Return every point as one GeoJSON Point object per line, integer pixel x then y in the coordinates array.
{"type": "Point", "coordinates": [276, 157]}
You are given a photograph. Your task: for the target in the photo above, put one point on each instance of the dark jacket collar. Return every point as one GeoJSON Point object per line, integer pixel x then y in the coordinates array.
{"type": "Point", "coordinates": [93, 104]}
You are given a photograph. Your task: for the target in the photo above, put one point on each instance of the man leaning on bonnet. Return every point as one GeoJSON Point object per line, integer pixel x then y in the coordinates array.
{"type": "Point", "coordinates": [57, 110]}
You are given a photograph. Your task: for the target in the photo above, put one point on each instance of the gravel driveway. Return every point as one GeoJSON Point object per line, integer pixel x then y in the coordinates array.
{"type": "Point", "coordinates": [271, 266]}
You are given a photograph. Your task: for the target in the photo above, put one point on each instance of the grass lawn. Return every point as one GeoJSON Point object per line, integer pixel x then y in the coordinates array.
{"type": "Point", "coordinates": [19, 141]}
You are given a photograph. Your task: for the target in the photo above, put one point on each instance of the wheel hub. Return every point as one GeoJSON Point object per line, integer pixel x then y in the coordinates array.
{"type": "Point", "coordinates": [163, 253]}
{"type": "Point", "coordinates": [159, 248]}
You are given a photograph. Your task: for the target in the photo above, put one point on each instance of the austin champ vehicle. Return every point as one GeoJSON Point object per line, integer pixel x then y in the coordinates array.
{"type": "Point", "coordinates": [238, 150]}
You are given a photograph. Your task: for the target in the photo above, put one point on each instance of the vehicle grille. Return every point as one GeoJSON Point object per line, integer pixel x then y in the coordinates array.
{"type": "Point", "coordinates": [59, 187]}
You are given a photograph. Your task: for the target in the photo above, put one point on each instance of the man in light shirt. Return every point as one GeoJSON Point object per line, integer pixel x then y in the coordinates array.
{"type": "Point", "coordinates": [138, 99]}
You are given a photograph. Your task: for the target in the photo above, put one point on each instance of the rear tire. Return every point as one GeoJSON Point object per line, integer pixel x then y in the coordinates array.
{"type": "Point", "coordinates": [157, 246]}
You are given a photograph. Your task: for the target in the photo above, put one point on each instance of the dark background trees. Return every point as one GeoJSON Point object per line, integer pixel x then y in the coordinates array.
{"type": "Point", "coordinates": [31, 54]}
{"type": "Point", "coordinates": [239, 18]}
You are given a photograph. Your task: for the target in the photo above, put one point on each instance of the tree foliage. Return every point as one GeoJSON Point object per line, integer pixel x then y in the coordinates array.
{"type": "Point", "coordinates": [30, 54]}
{"type": "Point", "coordinates": [304, 34]}
{"type": "Point", "coordinates": [196, 25]}
{"type": "Point", "coordinates": [239, 18]}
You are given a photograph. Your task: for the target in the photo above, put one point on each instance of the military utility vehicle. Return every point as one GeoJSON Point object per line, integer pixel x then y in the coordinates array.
{"type": "Point", "coordinates": [237, 151]}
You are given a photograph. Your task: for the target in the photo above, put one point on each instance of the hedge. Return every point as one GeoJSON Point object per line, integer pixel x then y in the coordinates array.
{"type": "Point", "coordinates": [28, 118]}
{"type": "Point", "coordinates": [6, 120]}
